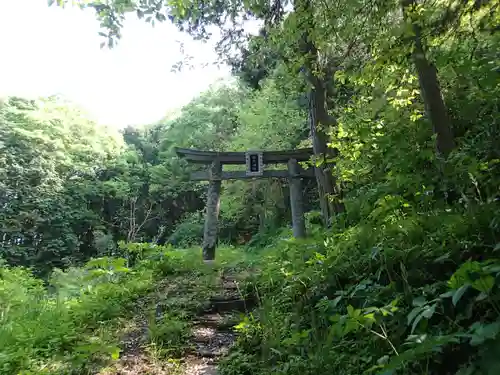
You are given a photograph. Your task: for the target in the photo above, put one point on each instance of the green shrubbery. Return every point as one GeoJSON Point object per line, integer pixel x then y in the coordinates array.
{"type": "Point", "coordinates": [404, 282]}
{"type": "Point", "coordinates": [70, 327]}
{"type": "Point", "coordinates": [416, 299]}
{"type": "Point", "coordinates": [170, 334]}
{"type": "Point", "coordinates": [189, 232]}
{"type": "Point", "coordinates": [52, 333]}
{"type": "Point", "coordinates": [72, 323]}
{"type": "Point", "coordinates": [398, 292]}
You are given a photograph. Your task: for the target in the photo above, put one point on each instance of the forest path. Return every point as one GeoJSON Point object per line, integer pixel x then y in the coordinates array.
{"type": "Point", "coordinates": [184, 327]}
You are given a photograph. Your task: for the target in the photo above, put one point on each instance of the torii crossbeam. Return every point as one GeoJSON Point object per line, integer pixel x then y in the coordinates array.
{"type": "Point", "coordinates": [255, 162]}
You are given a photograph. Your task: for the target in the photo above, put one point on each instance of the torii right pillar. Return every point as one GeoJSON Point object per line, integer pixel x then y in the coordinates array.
{"type": "Point", "coordinates": [296, 201]}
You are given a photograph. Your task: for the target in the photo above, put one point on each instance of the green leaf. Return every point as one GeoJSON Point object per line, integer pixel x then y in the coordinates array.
{"type": "Point", "coordinates": [413, 313]}
{"type": "Point", "coordinates": [484, 284]}
{"type": "Point", "coordinates": [383, 360]}
{"type": "Point", "coordinates": [442, 258]}
{"type": "Point", "coordinates": [336, 301]}
{"type": "Point", "coordinates": [448, 294]}
{"type": "Point", "coordinates": [369, 319]}
{"type": "Point", "coordinates": [350, 310]}
{"type": "Point", "coordinates": [481, 297]}
{"type": "Point", "coordinates": [429, 311]}
{"type": "Point", "coordinates": [419, 301]}
{"type": "Point", "coordinates": [115, 353]}
{"type": "Point", "coordinates": [457, 295]}
{"type": "Point", "coordinates": [483, 332]}
{"type": "Point", "coordinates": [415, 322]}
{"type": "Point", "coordinates": [469, 370]}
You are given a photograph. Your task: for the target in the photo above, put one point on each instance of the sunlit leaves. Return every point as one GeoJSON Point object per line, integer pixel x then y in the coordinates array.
{"type": "Point", "coordinates": [474, 274]}
{"type": "Point", "coordinates": [50, 154]}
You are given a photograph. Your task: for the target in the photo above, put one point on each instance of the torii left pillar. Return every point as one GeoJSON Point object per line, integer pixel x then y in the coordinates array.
{"type": "Point", "coordinates": [212, 214]}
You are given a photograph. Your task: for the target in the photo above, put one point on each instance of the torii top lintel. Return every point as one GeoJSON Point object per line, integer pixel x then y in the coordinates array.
{"type": "Point", "coordinates": [269, 157]}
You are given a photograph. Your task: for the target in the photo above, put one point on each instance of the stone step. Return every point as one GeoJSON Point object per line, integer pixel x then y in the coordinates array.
{"type": "Point", "coordinates": [221, 305]}
{"type": "Point", "coordinates": [208, 340]}
{"type": "Point", "coordinates": [211, 336]}
{"type": "Point", "coordinates": [218, 321]}
{"type": "Point", "coordinates": [212, 353]}
{"type": "Point", "coordinates": [230, 288]}
{"type": "Point", "coordinates": [230, 284]}
{"type": "Point", "coordinates": [200, 369]}
{"type": "Point", "coordinates": [199, 366]}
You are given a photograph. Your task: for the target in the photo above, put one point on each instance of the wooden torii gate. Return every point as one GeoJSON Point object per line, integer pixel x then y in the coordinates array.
{"type": "Point", "coordinates": [255, 162]}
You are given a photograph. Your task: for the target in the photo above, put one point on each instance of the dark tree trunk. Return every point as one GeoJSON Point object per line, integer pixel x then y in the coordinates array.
{"type": "Point", "coordinates": [319, 119]}
{"type": "Point", "coordinates": [430, 90]}
{"type": "Point", "coordinates": [323, 172]}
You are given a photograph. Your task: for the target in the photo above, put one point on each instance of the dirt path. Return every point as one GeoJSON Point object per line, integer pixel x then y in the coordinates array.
{"type": "Point", "coordinates": [210, 338]}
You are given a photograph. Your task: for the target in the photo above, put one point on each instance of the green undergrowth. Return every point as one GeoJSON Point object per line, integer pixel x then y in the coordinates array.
{"type": "Point", "coordinates": [72, 324]}
{"type": "Point", "coordinates": [415, 293]}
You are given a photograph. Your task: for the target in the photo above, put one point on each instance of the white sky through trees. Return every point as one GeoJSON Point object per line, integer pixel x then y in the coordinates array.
{"type": "Point", "coordinates": [47, 51]}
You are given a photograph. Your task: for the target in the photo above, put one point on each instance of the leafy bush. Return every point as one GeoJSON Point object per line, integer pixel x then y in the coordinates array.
{"type": "Point", "coordinates": [169, 333]}
{"type": "Point", "coordinates": [189, 232]}
{"type": "Point", "coordinates": [403, 296]}
{"type": "Point", "coordinates": [68, 326]}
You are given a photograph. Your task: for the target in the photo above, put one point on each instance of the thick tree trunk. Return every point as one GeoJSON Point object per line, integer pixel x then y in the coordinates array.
{"type": "Point", "coordinates": [319, 123]}
{"type": "Point", "coordinates": [319, 119]}
{"type": "Point", "coordinates": [430, 90]}
{"type": "Point", "coordinates": [323, 173]}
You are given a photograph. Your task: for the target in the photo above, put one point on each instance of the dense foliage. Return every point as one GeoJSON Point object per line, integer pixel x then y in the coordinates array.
{"type": "Point", "coordinates": [75, 326]}
{"type": "Point", "coordinates": [72, 189]}
{"type": "Point", "coordinates": [405, 280]}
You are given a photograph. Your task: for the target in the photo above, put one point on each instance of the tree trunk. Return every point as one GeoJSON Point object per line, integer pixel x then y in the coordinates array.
{"type": "Point", "coordinates": [319, 119]}
{"type": "Point", "coordinates": [323, 172]}
{"type": "Point", "coordinates": [430, 90]}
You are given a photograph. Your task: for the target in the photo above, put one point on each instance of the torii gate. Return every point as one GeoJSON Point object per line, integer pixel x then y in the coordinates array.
{"type": "Point", "coordinates": [255, 162]}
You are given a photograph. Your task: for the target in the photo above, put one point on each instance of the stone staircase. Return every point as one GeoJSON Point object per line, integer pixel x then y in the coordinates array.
{"type": "Point", "coordinates": [212, 333]}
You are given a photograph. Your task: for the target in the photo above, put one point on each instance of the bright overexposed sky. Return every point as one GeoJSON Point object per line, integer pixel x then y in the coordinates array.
{"type": "Point", "coordinates": [46, 51]}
